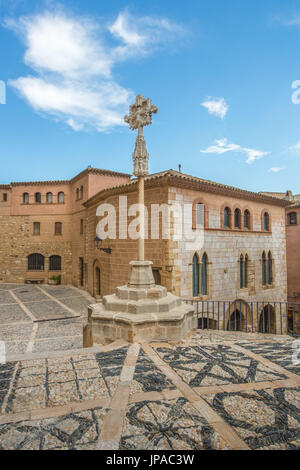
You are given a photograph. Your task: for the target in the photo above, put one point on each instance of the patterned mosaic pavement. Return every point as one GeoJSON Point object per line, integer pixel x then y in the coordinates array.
{"type": "Point", "coordinates": [37, 318]}
{"type": "Point", "coordinates": [210, 392]}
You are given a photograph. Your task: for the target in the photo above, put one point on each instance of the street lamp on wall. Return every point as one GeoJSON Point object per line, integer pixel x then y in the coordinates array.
{"type": "Point", "coordinates": [169, 269]}
{"type": "Point", "coordinates": [98, 243]}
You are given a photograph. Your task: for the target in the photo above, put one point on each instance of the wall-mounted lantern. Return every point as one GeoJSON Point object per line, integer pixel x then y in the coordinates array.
{"type": "Point", "coordinates": [169, 269]}
{"type": "Point", "coordinates": [98, 243]}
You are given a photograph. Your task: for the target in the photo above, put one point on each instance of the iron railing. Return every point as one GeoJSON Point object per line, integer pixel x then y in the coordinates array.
{"type": "Point", "coordinates": [281, 318]}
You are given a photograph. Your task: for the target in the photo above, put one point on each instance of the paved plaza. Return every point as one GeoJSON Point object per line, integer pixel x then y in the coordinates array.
{"type": "Point", "coordinates": [213, 391]}
{"type": "Point", "coordinates": [40, 318]}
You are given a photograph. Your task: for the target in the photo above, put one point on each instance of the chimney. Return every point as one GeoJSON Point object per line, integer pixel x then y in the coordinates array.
{"type": "Point", "coordinates": [179, 168]}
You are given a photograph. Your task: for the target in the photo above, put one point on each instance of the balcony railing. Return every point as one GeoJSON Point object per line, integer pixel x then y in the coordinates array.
{"type": "Point", "coordinates": [282, 318]}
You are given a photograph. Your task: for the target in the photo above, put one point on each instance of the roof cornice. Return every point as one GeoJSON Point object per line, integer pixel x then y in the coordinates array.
{"type": "Point", "coordinates": [174, 178]}
{"type": "Point", "coordinates": [90, 170]}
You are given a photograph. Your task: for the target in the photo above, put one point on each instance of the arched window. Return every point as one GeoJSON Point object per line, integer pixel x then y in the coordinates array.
{"type": "Point", "coordinates": [55, 263]}
{"type": "Point", "coordinates": [292, 218]}
{"type": "Point", "coordinates": [204, 262]}
{"type": "Point", "coordinates": [270, 270]}
{"type": "Point", "coordinates": [58, 228]}
{"type": "Point", "coordinates": [200, 214]}
{"type": "Point", "coordinates": [237, 218]}
{"type": "Point", "coordinates": [247, 219]}
{"type": "Point", "coordinates": [266, 221]}
{"type": "Point", "coordinates": [49, 198]}
{"type": "Point", "coordinates": [227, 217]}
{"type": "Point", "coordinates": [195, 276]}
{"type": "Point", "coordinates": [264, 269]}
{"type": "Point", "coordinates": [241, 271]}
{"type": "Point", "coordinates": [36, 262]}
{"type": "Point", "coordinates": [38, 198]}
{"type": "Point", "coordinates": [25, 198]}
{"type": "Point", "coordinates": [61, 198]}
{"type": "Point", "coordinates": [246, 271]}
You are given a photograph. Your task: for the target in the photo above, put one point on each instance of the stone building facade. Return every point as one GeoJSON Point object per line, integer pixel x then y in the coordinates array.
{"type": "Point", "coordinates": [236, 250]}
{"type": "Point", "coordinates": [46, 220]}
{"type": "Point", "coordinates": [292, 242]}
{"type": "Point", "coordinates": [241, 242]}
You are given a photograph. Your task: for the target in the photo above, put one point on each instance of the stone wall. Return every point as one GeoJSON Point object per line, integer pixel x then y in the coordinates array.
{"type": "Point", "coordinates": [224, 247]}
{"type": "Point", "coordinates": [17, 242]}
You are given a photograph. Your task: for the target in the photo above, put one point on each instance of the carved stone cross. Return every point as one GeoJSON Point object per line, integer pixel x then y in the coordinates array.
{"type": "Point", "coordinates": [140, 116]}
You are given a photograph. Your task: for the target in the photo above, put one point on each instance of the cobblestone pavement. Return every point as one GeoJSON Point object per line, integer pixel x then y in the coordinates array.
{"type": "Point", "coordinates": [37, 318]}
{"type": "Point", "coordinates": [213, 391]}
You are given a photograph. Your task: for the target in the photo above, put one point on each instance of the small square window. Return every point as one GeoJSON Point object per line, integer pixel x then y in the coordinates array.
{"type": "Point", "coordinates": [4, 197]}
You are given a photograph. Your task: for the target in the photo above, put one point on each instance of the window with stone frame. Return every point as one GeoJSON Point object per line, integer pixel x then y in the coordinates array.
{"type": "Point", "coordinates": [36, 228]}
{"type": "Point", "coordinates": [266, 221]}
{"type": "Point", "coordinates": [55, 263]}
{"type": "Point", "coordinates": [38, 198]}
{"type": "Point", "coordinates": [237, 218]}
{"type": "Point", "coordinates": [58, 228]}
{"type": "Point", "coordinates": [270, 269]}
{"type": "Point", "coordinates": [292, 218]}
{"type": "Point", "coordinates": [61, 197]}
{"type": "Point", "coordinates": [227, 217]}
{"type": "Point", "coordinates": [204, 278]}
{"type": "Point", "coordinates": [36, 262]}
{"type": "Point", "coordinates": [196, 276]}
{"type": "Point", "coordinates": [247, 219]}
{"type": "Point", "coordinates": [25, 198]}
{"type": "Point", "coordinates": [264, 269]}
{"type": "Point", "coordinates": [200, 214]}
{"type": "Point", "coordinates": [49, 198]}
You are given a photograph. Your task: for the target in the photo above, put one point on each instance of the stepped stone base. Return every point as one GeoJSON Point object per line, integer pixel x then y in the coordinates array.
{"type": "Point", "coordinates": [139, 311]}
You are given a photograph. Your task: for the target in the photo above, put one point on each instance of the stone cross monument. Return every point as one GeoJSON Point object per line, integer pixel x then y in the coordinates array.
{"type": "Point", "coordinates": [140, 116]}
{"type": "Point", "coordinates": [140, 310]}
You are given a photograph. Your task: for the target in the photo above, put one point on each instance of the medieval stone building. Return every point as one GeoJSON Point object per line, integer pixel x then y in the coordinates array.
{"type": "Point", "coordinates": [238, 252]}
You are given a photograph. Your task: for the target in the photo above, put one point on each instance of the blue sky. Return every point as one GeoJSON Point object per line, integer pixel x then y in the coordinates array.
{"type": "Point", "coordinates": [221, 74]}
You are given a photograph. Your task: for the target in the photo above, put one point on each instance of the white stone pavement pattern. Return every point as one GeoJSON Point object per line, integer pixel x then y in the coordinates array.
{"type": "Point", "coordinates": [41, 318]}
{"type": "Point", "coordinates": [214, 390]}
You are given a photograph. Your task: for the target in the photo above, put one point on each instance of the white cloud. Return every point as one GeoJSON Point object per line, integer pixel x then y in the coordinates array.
{"type": "Point", "coordinates": [73, 59]}
{"type": "Point", "coordinates": [276, 169]}
{"type": "Point", "coordinates": [223, 145]}
{"type": "Point", "coordinates": [216, 106]}
{"type": "Point", "coordinates": [295, 148]}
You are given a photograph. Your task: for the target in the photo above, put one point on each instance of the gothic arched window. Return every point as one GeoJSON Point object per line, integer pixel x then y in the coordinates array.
{"type": "Point", "coordinates": [270, 268]}
{"type": "Point", "coordinates": [195, 275]}
{"type": "Point", "coordinates": [264, 269]}
{"type": "Point", "coordinates": [204, 262]}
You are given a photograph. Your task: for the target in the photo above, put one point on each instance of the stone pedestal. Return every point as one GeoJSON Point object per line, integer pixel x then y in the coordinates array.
{"type": "Point", "coordinates": [139, 311]}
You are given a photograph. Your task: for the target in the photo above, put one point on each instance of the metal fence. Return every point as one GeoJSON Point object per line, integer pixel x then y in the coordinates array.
{"type": "Point", "coordinates": [253, 317]}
